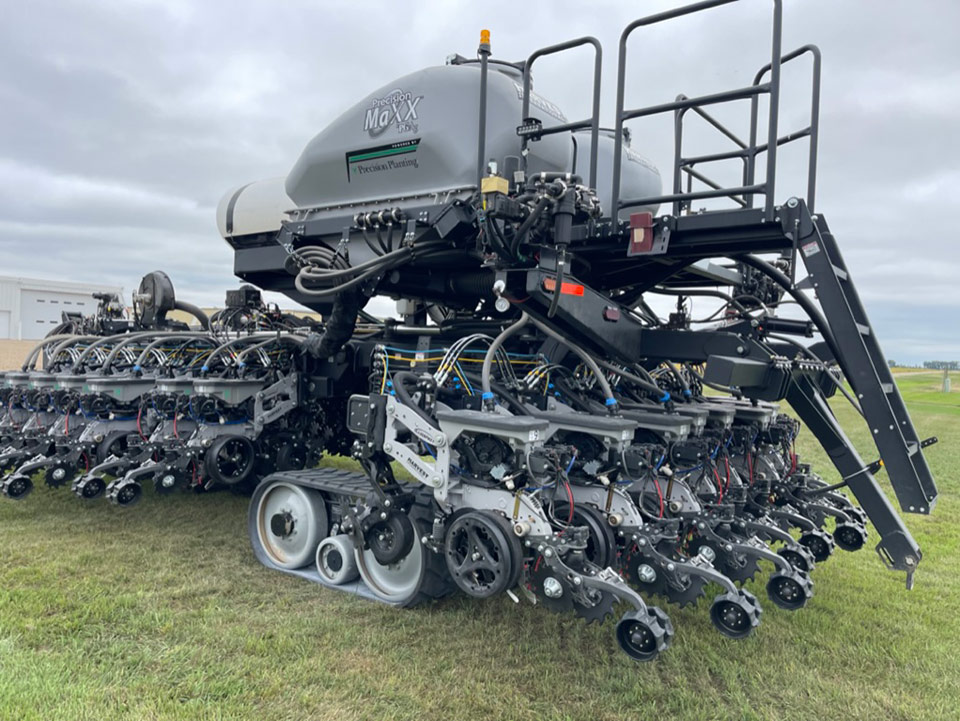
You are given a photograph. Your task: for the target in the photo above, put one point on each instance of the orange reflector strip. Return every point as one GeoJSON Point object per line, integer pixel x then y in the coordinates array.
{"type": "Point", "coordinates": [550, 284]}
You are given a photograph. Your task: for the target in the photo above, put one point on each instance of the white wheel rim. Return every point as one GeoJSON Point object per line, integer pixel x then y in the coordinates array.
{"type": "Point", "coordinates": [396, 582]}
{"type": "Point", "coordinates": [305, 508]}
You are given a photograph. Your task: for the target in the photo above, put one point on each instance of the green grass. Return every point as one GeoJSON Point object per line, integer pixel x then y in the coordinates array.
{"type": "Point", "coordinates": [161, 612]}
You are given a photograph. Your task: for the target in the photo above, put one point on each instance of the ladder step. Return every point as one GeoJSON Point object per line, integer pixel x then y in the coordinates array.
{"type": "Point", "coordinates": [840, 273]}
{"type": "Point", "coordinates": [887, 387]}
{"type": "Point", "coordinates": [864, 329]}
{"type": "Point", "coordinates": [912, 448]}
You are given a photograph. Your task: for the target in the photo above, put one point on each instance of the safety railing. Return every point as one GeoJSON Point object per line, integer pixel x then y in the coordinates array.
{"type": "Point", "coordinates": [532, 129]}
{"type": "Point", "coordinates": [742, 194]}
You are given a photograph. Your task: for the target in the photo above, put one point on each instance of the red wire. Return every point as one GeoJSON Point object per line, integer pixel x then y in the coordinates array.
{"type": "Point", "coordinates": [726, 462]}
{"type": "Point", "coordinates": [140, 413]}
{"type": "Point", "coordinates": [566, 484]}
{"type": "Point", "coordinates": [719, 485]}
{"type": "Point", "coordinates": [659, 494]}
{"type": "Point", "coordinates": [750, 466]}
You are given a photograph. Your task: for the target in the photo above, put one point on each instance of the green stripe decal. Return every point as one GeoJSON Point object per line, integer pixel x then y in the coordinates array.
{"type": "Point", "coordinates": [383, 153]}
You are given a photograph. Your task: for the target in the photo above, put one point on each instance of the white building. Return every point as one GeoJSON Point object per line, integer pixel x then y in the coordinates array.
{"type": "Point", "coordinates": [31, 308]}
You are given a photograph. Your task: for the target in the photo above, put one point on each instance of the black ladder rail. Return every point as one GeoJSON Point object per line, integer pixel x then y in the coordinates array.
{"type": "Point", "coordinates": [897, 548]}
{"type": "Point", "coordinates": [864, 364]}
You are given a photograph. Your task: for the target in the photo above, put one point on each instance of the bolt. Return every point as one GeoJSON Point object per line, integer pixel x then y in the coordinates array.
{"type": "Point", "coordinates": [671, 567]}
{"type": "Point", "coordinates": [646, 574]}
{"type": "Point", "coordinates": [548, 553]}
{"type": "Point", "coordinates": [577, 580]}
{"type": "Point", "coordinates": [383, 515]}
{"type": "Point", "coordinates": [552, 587]}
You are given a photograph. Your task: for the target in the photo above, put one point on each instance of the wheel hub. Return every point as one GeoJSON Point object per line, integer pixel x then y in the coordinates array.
{"type": "Point", "coordinates": [282, 524]}
{"type": "Point", "coordinates": [552, 587]}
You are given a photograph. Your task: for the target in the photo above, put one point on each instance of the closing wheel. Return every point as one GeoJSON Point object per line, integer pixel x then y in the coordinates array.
{"type": "Point", "coordinates": [290, 521]}
{"type": "Point", "coordinates": [799, 557]}
{"type": "Point", "coordinates": [850, 536]}
{"type": "Point", "coordinates": [790, 590]}
{"type": "Point", "coordinates": [641, 635]}
{"type": "Point", "coordinates": [819, 543]}
{"type": "Point", "coordinates": [16, 487]}
{"type": "Point", "coordinates": [735, 615]}
{"type": "Point", "coordinates": [89, 487]}
{"type": "Point", "coordinates": [336, 562]}
{"type": "Point", "coordinates": [124, 492]}
{"type": "Point", "coordinates": [230, 460]}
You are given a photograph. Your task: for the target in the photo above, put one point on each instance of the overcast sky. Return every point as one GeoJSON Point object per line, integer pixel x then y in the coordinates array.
{"type": "Point", "coordinates": [122, 123]}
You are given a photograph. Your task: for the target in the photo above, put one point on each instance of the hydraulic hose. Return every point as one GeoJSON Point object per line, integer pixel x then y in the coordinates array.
{"type": "Point", "coordinates": [649, 387]}
{"type": "Point", "coordinates": [215, 353]}
{"type": "Point", "coordinates": [486, 371]}
{"type": "Point", "coordinates": [162, 337]}
{"type": "Point", "coordinates": [296, 340]}
{"type": "Point", "coordinates": [528, 223]}
{"type": "Point", "coordinates": [811, 310]}
{"type": "Point", "coordinates": [28, 364]}
{"type": "Point", "coordinates": [122, 338]}
{"type": "Point", "coordinates": [609, 400]}
{"type": "Point", "coordinates": [680, 379]}
{"type": "Point", "coordinates": [115, 351]}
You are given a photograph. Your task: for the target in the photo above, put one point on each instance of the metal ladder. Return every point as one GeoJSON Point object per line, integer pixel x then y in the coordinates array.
{"type": "Point", "coordinates": [866, 368]}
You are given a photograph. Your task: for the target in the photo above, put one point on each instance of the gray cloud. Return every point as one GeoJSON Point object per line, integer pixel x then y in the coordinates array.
{"type": "Point", "coordinates": [124, 122]}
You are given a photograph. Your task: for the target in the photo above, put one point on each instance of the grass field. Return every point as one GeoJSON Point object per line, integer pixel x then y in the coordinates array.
{"type": "Point", "coordinates": [161, 612]}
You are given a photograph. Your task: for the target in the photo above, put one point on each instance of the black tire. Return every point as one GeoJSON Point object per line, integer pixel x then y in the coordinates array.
{"type": "Point", "coordinates": [230, 460]}
{"type": "Point", "coordinates": [436, 583]}
{"type": "Point", "coordinates": [113, 444]}
{"type": "Point", "coordinates": [602, 543]}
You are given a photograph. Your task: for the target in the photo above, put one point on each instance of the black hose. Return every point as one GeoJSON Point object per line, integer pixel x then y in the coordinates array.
{"type": "Point", "coordinates": [400, 378]}
{"type": "Point", "coordinates": [504, 392]}
{"type": "Point", "coordinates": [811, 310]}
{"type": "Point", "coordinates": [339, 327]}
{"type": "Point", "coordinates": [652, 388]}
{"type": "Point", "coordinates": [679, 376]}
{"type": "Point", "coordinates": [528, 223]}
{"type": "Point", "coordinates": [194, 311]}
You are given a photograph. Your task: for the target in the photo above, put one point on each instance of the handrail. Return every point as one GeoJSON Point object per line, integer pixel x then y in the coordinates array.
{"type": "Point", "coordinates": [813, 129]}
{"type": "Point", "coordinates": [772, 87]}
{"type": "Point", "coordinates": [593, 122]}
